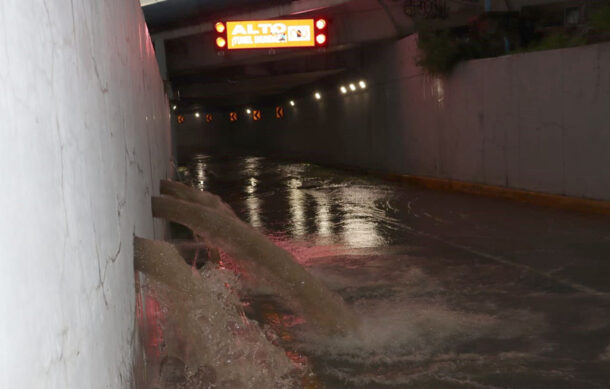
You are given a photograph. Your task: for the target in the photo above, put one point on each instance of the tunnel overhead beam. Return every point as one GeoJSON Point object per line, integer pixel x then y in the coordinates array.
{"type": "Point", "coordinates": [202, 77]}
{"type": "Point", "coordinates": [294, 8]}
{"type": "Point", "coordinates": [352, 23]}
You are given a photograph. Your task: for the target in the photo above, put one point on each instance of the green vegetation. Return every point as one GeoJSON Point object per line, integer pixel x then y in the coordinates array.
{"type": "Point", "coordinates": [439, 52]}
{"type": "Point", "coordinates": [555, 40]}
{"type": "Point", "coordinates": [498, 34]}
{"type": "Point", "coordinates": [600, 20]}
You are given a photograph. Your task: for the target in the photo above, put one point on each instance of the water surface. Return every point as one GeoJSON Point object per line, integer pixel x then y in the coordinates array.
{"type": "Point", "coordinates": [453, 290]}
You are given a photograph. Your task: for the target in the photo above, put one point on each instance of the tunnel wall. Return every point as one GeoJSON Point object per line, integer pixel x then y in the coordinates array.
{"type": "Point", "coordinates": [536, 121]}
{"type": "Point", "coordinates": [85, 140]}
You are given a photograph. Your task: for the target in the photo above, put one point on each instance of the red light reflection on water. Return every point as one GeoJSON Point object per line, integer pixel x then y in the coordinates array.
{"type": "Point", "coordinates": [281, 325]}
{"type": "Point", "coordinates": [305, 253]}
{"type": "Point", "coordinates": [297, 359]}
{"type": "Point", "coordinates": [149, 317]}
{"type": "Point", "coordinates": [154, 317]}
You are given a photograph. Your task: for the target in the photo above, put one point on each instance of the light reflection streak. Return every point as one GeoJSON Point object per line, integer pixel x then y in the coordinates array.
{"type": "Point", "coordinates": [360, 233]}
{"type": "Point", "coordinates": [253, 203]}
{"type": "Point", "coordinates": [199, 174]}
{"type": "Point", "coordinates": [323, 222]}
{"type": "Point", "coordinates": [296, 200]}
{"type": "Point", "coordinates": [251, 187]}
{"type": "Point", "coordinates": [252, 166]}
{"type": "Point", "coordinates": [359, 219]}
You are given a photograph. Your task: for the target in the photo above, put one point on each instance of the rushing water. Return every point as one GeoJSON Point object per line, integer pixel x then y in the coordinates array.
{"type": "Point", "coordinates": [452, 291]}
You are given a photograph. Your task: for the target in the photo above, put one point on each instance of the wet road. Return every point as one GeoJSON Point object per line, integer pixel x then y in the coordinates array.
{"type": "Point", "coordinates": [454, 290]}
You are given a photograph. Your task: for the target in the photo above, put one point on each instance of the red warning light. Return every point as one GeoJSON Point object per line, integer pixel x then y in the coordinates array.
{"type": "Point", "coordinates": [320, 39]}
{"type": "Point", "coordinates": [219, 27]}
{"type": "Point", "coordinates": [221, 42]}
{"type": "Point", "coordinates": [321, 24]}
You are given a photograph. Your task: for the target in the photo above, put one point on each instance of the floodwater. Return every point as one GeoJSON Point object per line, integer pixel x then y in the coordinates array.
{"type": "Point", "coordinates": [452, 290]}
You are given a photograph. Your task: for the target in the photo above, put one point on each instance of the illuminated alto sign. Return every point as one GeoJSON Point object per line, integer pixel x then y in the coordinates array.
{"type": "Point", "coordinates": [273, 34]}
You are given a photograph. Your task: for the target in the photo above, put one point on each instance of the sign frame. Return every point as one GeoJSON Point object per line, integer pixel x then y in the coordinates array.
{"type": "Point", "coordinates": [291, 33]}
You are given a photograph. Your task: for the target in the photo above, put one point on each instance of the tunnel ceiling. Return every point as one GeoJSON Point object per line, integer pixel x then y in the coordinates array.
{"type": "Point", "coordinates": [201, 77]}
{"type": "Point", "coordinates": [179, 13]}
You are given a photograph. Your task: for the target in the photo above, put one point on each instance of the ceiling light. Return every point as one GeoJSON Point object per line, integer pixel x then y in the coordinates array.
{"type": "Point", "coordinates": [197, 114]}
{"type": "Point", "coordinates": [343, 89]}
{"type": "Point", "coordinates": [248, 111]}
{"type": "Point", "coordinates": [318, 95]}
{"type": "Point", "coordinates": [362, 84]}
{"type": "Point", "coordinates": [174, 107]}
{"type": "Point", "coordinates": [292, 103]}
{"type": "Point", "coordinates": [352, 87]}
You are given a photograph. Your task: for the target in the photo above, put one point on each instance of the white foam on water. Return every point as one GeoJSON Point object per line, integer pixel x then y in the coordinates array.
{"type": "Point", "coordinates": [406, 341]}
{"type": "Point", "coordinates": [408, 321]}
{"type": "Point", "coordinates": [407, 329]}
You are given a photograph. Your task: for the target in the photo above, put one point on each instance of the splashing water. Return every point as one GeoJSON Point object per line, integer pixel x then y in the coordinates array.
{"type": "Point", "coordinates": [203, 325]}
{"type": "Point", "coordinates": [220, 228]}
{"type": "Point", "coordinates": [431, 316]}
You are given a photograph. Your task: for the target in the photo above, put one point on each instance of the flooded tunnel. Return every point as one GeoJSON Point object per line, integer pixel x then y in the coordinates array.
{"type": "Point", "coordinates": [315, 194]}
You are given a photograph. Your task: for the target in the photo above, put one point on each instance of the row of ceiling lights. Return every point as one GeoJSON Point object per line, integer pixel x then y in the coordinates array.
{"type": "Point", "coordinates": [317, 95]}
{"type": "Point", "coordinates": [352, 87]}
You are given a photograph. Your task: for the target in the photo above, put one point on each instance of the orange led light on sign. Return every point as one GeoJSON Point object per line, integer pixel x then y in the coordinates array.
{"type": "Point", "coordinates": [180, 119]}
{"type": "Point", "coordinates": [320, 24]}
{"type": "Point", "coordinates": [320, 39]}
{"type": "Point", "coordinates": [221, 42]}
{"type": "Point", "coordinates": [270, 34]}
{"type": "Point", "coordinates": [220, 27]}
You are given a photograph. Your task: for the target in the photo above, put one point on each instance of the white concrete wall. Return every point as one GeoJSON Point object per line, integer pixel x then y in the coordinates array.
{"type": "Point", "coordinates": [84, 140]}
{"type": "Point", "coordinates": [537, 121]}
